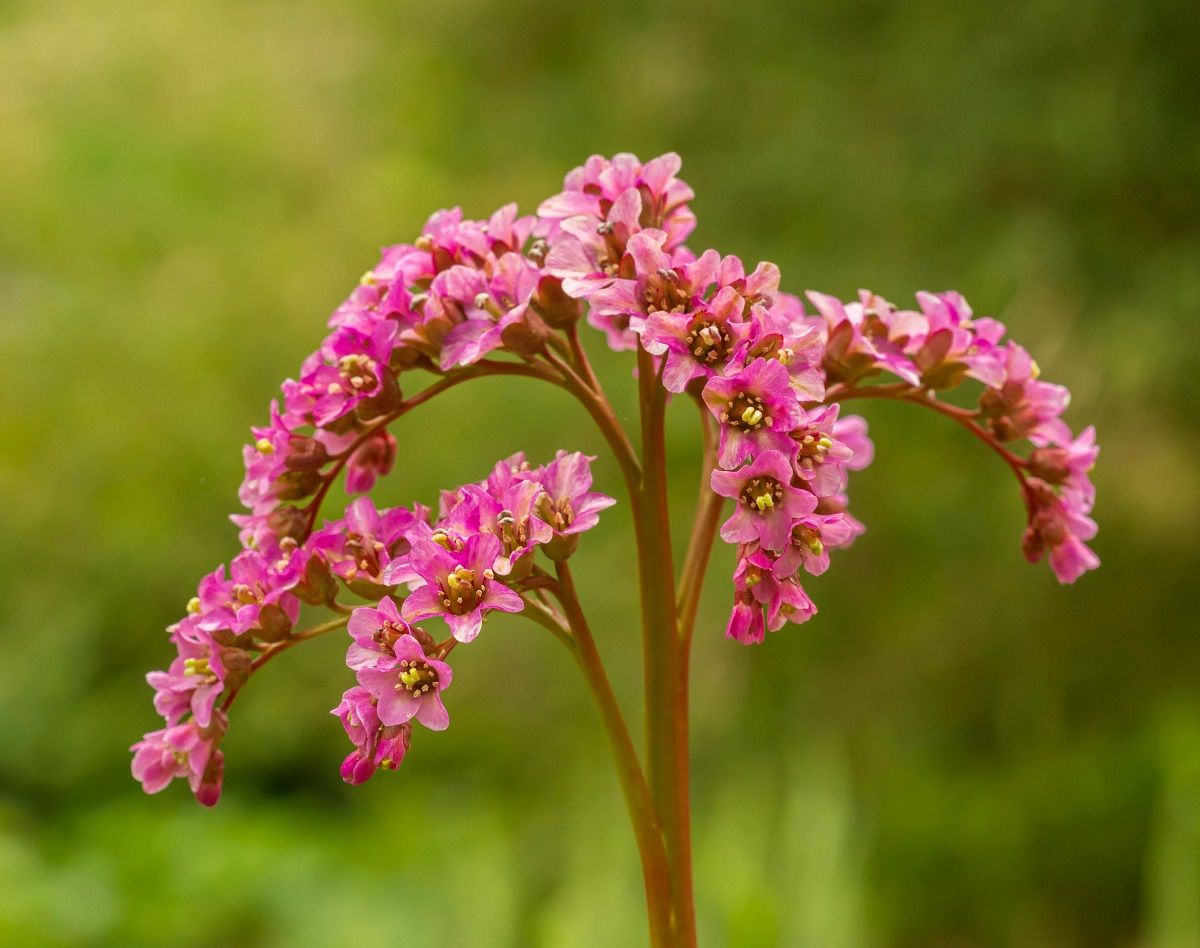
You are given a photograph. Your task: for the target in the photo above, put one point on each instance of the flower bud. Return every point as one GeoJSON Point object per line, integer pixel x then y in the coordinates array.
{"type": "Point", "coordinates": [559, 310]}
{"type": "Point", "coordinates": [273, 623]}
{"type": "Point", "coordinates": [527, 336]}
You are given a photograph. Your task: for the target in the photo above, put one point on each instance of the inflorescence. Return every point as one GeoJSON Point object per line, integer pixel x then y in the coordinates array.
{"type": "Point", "coordinates": [771, 372]}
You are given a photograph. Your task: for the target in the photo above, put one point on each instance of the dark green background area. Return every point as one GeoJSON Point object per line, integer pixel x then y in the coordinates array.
{"type": "Point", "coordinates": [955, 751]}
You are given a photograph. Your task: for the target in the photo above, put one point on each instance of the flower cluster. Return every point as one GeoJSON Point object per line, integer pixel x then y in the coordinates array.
{"type": "Point", "coordinates": [506, 295]}
{"type": "Point", "coordinates": [468, 561]}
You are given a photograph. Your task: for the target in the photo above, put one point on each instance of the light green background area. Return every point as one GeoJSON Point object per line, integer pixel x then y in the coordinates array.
{"type": "Point", "coordinates": [954, 752]}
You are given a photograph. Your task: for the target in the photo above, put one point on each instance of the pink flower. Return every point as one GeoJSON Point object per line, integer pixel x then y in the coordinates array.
{"type": "Point", "coordinates": [569, 505]}
{"type": "Point", "coordinates": [490, 305]}
{"type": "Point", "coordinates": [372, 459]}
{"type": "Point", "coordinates": [185, 750]}
{"type": "Point", "coordinates": [254, 584]}
{"type": "Point", "coordinates": [756, 409]}
{"type": "Point", "coordinates": [375, 744]}
{"type": "Point", "coordinates": [510, 514]}
{"type": "Point", "coordinates": [408, 686]}
{"type": "Point", "coordinates": [784, 334]}
{"type": "Point", "coordinates": [1068, 466]}
{"type": "Point", "coordinates": [349, 370]}
{"type": "Point", "coordinates": [698, 343]}
{"type": "Point", "coordinates": [1023, 407]}
{"type": "Point", "coordinates": [374, 632]}
{"type": "Point", "coordinates": [458, 586]}
{"type": "Point", "coordinates": [758, 588]}
{"type": "Point", "coordinates": [821, 457]}
{"type": "Point", "coordinates": [1059, 527]}
{"type": "Point", "coordinates": [198, 676]}
{"type": "Point", "coordinates": [865, 337]}
{"type": "Point", "coordinates": [811, 540]}
{"type": "Point", "coordinates": [590, 190]}
{"type": "Point", "coordinates": [766, 503]}
{"type": "Point", "coordinates": [953, 344]}
{"type": "Point", "coordinates": [361, 547]}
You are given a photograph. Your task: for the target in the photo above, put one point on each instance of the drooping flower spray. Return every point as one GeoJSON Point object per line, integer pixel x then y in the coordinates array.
{"type": "Point", "coordinates": [770, 376]}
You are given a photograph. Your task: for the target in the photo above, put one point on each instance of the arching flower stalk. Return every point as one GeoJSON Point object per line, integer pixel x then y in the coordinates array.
{"type": "Point", "coordinates": [506, 296]}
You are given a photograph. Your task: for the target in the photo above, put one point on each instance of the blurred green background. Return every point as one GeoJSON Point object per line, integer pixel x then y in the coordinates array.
{"type": "Point", "coordinates": [955, 752]}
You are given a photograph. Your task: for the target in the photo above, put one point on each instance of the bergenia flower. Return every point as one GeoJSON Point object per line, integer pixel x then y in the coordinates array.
{"type": "Point", "coordinates": [697, 343]}
{"type": "Point", "coordinates": [812, 538]}
{"type": "Point", "coordinates": [255, 583]}
{"type": "Point", "coordinates": [184, 750]}
{"type": "Point", "coordinates": [766, 503]}
{"type": "Point", "coordinates": [458, 586]}
{"type": "Point", "coordinates": [756, 409]}
{"type": "Point", "coordinates": [374, 632]}
{"type": "Point", "coordinates": [1059, 528]}
{"type": "Point", "coordinates": [408, 686]}
{"type": "Point", "coordinates": [569, 505]}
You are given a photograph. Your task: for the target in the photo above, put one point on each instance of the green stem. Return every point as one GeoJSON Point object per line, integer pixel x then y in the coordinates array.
{"type": "Point", "coordinates": [655, 872]}
{"type": "Point", "coordinates": [665, 655]}
{"type": "Point", "coordinates": [709, 507]}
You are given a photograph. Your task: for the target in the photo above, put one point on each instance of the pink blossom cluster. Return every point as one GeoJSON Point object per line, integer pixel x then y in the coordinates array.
{"type": "Point", "coordinates": [506, 294]}
{"type": "Point", "coordinates": [938, 346]}
{"type": "Point", "coordinates": [458, 567]}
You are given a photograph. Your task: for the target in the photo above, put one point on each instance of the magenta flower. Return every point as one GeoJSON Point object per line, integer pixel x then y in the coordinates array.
{"type": "Point", "coordinates": [361, 546]}
{"type": "Point", "coordinates": [373, 459]}
{"type": "Point", "coordinates": [198, 676]}
{"type": "Point", "coordinates": [821, 456]}
{"type": "Point", "coordinates": [374, 632]}
{"type": "Point", "coordinates": [254, 583]}
{"type": "Point", "coordinates": [766, 502]}
{"type": "Point", "coordinates": [184, 750]}
{"type": "Point", "coordinates": [569, 505]}
{"type": "Point", "coordinates": [1059, 528]}
{"type": "Point", "coordinates": [408, 686]}
{"type": "Point", "coordinates": [697, 343]}
{"type": "Point", "coordinates": [756, 409]}
{"type": "Point", "coordinates": [458, 586]}
{"type": "Point", "coordinates": [811, 540]}
{"type": "Point", "coordinates": [1024, 407]}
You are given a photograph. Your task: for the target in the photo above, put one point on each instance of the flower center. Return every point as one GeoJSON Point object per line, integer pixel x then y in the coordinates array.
{"type": "Point", "coordinates": [559, 513]}
{"type": "Point", "coordinates": [357, 371]}
{"type": "Point", "coordinates": [663, 292]}
{"type": "Point", "coordinates": [385, 636]}
{"type": "Point", "coordinates": [813, 448]}
{"type": "Point", "coordinates": [746, 412]}
{"type": "Point", "coordinates": [198, 668]}
{"type": "Point", "coordinates": [514, 534]}
{"type": "Point", "coordinates": [708, 343]}
{"type": "Point", "coordinates": [417, 678]}
{"type": "Point", "coordinates": [364, 551]}
{"type": "Point", "coordinates": [805, 536]}
{"type": "Point", "coordinates": [462, 591]}
{"type": "Point", "coordinates": [246, 595]}
{"type": "Point", "coordinates": [761, 494]}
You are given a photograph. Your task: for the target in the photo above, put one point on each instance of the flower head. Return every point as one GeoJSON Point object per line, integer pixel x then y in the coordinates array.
{"type": "Point", "coordinates": [766, 502]}
{"type": "Point", "coordinates": [459, 586]}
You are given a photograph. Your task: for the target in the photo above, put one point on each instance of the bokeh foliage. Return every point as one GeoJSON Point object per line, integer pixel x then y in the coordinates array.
{"type": "Point", "coordinates": [954, 752]}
